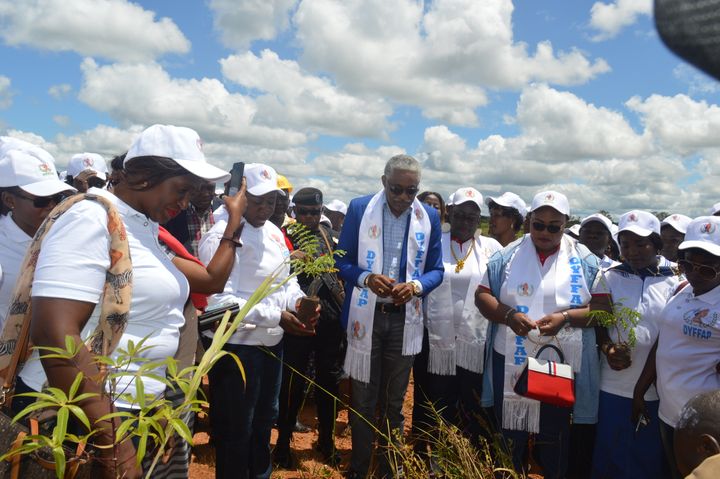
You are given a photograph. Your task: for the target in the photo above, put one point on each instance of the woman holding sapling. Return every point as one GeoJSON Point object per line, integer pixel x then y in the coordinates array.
{"type": "Point", "coordinates": [627, 302]}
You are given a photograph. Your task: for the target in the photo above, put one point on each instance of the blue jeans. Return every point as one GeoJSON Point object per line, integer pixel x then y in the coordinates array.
{"type": "Point", "coordinates": [389, 377]}
{"type": "Point", "coordinates": [242, 414]}
{"type": "Point", "coordinates": [551, 443]}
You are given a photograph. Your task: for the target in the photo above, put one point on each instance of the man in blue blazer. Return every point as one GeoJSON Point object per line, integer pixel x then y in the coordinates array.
{"type": "Point", "coordinates": [383, 302]}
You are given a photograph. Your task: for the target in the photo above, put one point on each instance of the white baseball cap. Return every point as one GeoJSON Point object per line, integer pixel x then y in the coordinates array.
{"type": "Point", "coordinates": [337, 205]}
{"type": "Point", "coordinates": [180, 144]}
{"type": "Point", "coordinates": [553, 199]}
{"type": "Point", "coordinates": [639, 222]}
{"type": "Point", "coordinates": [8, 143]}
{"type": "Point", "coordinates": [31, 172]}
{"type": "Point", "coordinates": [87, 161]}
{"type": "Point", "coordinates": [703, 232]}
{"type": "Point", "coordinates": [509, 200]}
{"type": "Point", "coordinates": [573, 231]}
{"type": "Point", "coordinates": [677, 221]}
{"type": "Point", "coordinates": [261, 179]}
{"type": "Point", "coordinates": [463, 195]}
{"type": "Point", "coordinates": [715, 209]}
{"type": "Point", "coordinates": [598, 218]}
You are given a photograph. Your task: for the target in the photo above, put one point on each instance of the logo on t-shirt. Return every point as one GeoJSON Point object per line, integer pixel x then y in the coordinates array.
{"type": "Point", "coordinates": [698, 323]}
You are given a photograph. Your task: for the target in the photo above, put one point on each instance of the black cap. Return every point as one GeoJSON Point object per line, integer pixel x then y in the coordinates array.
{"type": "Point", "coordinates": [308, 197]}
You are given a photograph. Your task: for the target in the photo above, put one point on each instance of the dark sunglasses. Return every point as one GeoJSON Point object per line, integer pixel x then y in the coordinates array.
{"type": "Point", "coordinates": [44, 201]}
{"type": "Point", "coordinates": [703, 270]}
{"type": "Point", "coordinates": [537, 226]}
{"type": "Point", "coordinates": [398, 190]}
{"type": "Point", "coordinates": [308, 211]}
{"type": "Point", "coordinates": [466, 218]}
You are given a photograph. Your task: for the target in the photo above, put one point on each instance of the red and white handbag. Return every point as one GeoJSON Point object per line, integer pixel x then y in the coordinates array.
{"type": "Point", "coordinates": [551, 382]}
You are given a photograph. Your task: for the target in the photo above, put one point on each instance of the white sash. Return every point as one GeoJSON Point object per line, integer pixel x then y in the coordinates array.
{"type": "Point", "coordinates": [362, 302]}
{"type": "Point", "coordinates": [524, 290]}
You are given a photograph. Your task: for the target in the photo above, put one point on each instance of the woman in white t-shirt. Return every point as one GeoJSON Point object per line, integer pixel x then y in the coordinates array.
{"type": "Point", "coordinates": [243, 409]}
{"type": "Point", "coordinates": [622, 449]}
{"type": "Point", "coordinates": [161, 168]}
{"type": "Point", "coordinates": [685, 359]}
{"type": "Point", "coordinates": [29, 190]}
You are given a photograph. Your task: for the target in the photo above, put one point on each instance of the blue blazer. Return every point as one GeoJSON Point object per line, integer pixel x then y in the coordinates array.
{"type": "Point", "coordinates": [349, 271]}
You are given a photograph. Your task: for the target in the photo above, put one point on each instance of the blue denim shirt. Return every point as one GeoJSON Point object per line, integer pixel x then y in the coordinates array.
{"type": "Point", "coordinates": [587, 383]}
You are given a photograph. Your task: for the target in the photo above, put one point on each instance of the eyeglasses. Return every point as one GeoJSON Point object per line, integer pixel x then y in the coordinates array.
{"type": "Point", "coordinates": [537, 226]}
{"type": "Point", "coordinates": [44, 201]}
{"type": "Point", "coordinates": [308, 211]}
{"type": "Point", "coordinates": [465, 218]}
{"type": "Point", "coordinates": [703, 270]}
{"type": "Point", "coordinates": [95, 182]}
{"type": "Point", "coordinates": [398, 190]}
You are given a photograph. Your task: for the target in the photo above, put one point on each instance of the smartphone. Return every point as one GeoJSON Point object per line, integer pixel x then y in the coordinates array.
{"type": "Point", "coordinates": [236, 176]}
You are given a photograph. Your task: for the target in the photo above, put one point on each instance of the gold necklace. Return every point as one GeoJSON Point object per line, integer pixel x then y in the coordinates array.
{"type": "Point", "coordinates": [461, 261]}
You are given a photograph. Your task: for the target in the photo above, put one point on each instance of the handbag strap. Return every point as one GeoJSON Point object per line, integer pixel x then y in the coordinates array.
{"type": "Point", "coordinates": [551, 346]}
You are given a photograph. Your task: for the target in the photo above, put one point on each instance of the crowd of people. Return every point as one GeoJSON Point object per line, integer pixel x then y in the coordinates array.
{"type": "Point", "coordinates": [137, 251]}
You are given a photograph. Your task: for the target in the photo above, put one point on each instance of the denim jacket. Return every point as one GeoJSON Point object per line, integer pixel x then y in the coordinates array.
{"type": "Point", "coordinates": [587, 383]}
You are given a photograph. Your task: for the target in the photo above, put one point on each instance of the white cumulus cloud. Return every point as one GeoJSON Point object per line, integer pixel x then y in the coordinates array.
{"type": "Point", "coordinates": [298, 100]}
{"type": "Point", "coordinates": [60, 91]}
{"type": "Point", "coordinates": [6, 93]}
{"type": "Point", "coordinates": [242, 21]}
{"type": "Point", "coordinates": [112, 29]}
{"type": "Point", "coordinates": [609, 18]}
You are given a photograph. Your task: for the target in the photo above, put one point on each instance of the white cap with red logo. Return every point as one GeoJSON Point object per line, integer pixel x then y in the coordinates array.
{"type": "Point", "coordinates": [463, 195]}
{"type": "Point", "coordinates": [598, 218]}
{"type": "Point", "coordinates": [508, 200]}
{"type": "Point", "coordinates": [677, 221]}
{"type": "Point", "coordinates": [261, 179]}
{"type": "Point", "coordinates": [553, 199]}
{"type": "Point", "coordinates": [703, 232]}
{"type": "Point", "coordinates": [639, 222]}
{"type": "Point", "coordinates": [32, 172]}
{"type": "Point", "coordinates": [87, 161]}
{"type": "Point", "coordinates": [180, 144]}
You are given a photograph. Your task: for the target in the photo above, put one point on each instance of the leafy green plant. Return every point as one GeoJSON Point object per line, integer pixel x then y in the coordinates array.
{"type": "Point", "coordinates": [156, 421]}
{"type": "Point", "coordinates": [620, 319]}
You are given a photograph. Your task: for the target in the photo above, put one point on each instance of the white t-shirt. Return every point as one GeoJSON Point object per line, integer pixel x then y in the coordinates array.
{"type": "Point", "coordinates": [73, 260]}
{"type": "Point", "coordinates": [13, 245]}
{"type": "Point", "coordinates": [688, 350]}
{"type": "Point", "coordinates": [263, 250]}
{"type": "Point", "coordinates": [648, 297]}
{"type": "Point", "coordinates": [547, 271]}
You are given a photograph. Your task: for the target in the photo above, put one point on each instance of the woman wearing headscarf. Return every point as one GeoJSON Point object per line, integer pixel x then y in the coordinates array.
{"type": "Point", "coordinates": [538, 288]}
{"type": "Point", "coordinates": [685, 359]}
{"type": "Point", "coordinates": [29, 190]}
{"type": "Point", "coordinates": [507, 215]}
{"type": "Point", "coordinates": [243, 409]}
{"type": "Point", "coordinates": [448, 371]}
{"type": "Point", "coordinates": [123, 269]}
{"type": "Point", "coordinates": [640, 284]}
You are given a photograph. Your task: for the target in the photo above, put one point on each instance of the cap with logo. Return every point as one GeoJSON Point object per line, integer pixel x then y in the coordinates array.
{"type": "Point", "coordinates": [508, 200]}
{"type": "Point", "coordinates": [87, 161]}
{"type": "Point", "coordinates": [337, 205]}
{"type": "Point", "coordinates": [598, 218]}
{"type": "Point", "coordinates": [308, 197]}
{"type": "Point", "coordinates": [677, 221]}
{"type": "Point", "coordinates": [639, 222]}
{"type": "Point", "coordinates": [32, 172]}
{"type": "Point", "coordinates": [463, 195]}
{"type": "Point", "coordinates": [703, 232]}
{"type": "Point", "coordinates": [553, 199]}
{"type": "Point", "coordinates": [261, 179]}
{"type": "Point", "coordinates": [180, 144]}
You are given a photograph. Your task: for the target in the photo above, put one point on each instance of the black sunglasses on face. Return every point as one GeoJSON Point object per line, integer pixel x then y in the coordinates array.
{"type": "Point", "coordinates": [537, 226]}
{"type": "Point", "coordinates": [308, 211]}
{"type": "Point", "coordinates": [95, 182]}
{"type": "Point", "coordinates": [398, 190]}
{"type": "Point", "coordinates": [466, 218]}
{"type": "Point", "coordinates": [703, 270]}
{"type": "Point", "coordinates": [44, 201]}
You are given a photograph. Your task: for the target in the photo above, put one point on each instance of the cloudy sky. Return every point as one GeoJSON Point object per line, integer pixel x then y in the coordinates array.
{"type": "Point", "coordinates": [577, 96]}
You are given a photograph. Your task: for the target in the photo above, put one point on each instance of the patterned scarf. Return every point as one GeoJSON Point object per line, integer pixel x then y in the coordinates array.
{"type": "Point", "coordinates": [117, 293]}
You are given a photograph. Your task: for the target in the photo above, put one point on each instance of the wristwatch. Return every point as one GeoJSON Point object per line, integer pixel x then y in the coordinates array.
{"type": "Point", "coordinates": [416, 288]}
